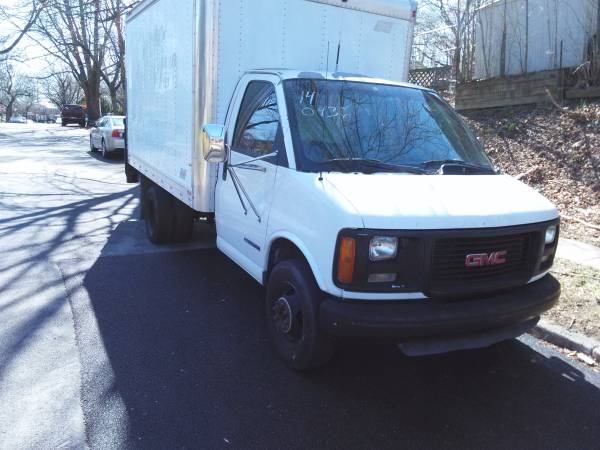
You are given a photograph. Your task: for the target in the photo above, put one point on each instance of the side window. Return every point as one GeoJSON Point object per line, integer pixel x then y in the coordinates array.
{"type": "Point", "coordinates": [258, 128]}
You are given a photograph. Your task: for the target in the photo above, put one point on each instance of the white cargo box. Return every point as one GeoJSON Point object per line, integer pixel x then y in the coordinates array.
{"type": "Point", "coordinates": [184, 58]}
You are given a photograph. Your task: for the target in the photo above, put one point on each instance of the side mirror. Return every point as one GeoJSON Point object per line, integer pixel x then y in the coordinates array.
{"type": "Point", "coordinates": [213, 143]}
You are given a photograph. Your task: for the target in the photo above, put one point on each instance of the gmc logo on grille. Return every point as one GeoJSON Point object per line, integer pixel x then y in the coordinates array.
{"type": "Point", "coordinates": [484, 259]}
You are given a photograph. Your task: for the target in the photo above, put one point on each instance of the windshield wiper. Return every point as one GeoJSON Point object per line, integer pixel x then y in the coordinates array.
{"type": "Point", "coordinates": [440, 163]}
{"type": "Point", "coordinates": [370, 166]}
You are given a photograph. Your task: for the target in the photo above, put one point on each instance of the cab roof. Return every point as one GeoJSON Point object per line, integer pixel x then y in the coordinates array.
{"type": "Point", "coordinates": [290, 74]}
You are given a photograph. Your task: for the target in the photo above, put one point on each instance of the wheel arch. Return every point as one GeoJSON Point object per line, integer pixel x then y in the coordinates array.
{"type": "Point", "coordinates": [286, 246]}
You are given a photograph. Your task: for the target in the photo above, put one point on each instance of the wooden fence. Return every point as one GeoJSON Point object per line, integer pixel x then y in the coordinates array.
{"type": "Point", "coordinates": [537, 87]}
{"type": "Point", "coordinates": [437, 78]}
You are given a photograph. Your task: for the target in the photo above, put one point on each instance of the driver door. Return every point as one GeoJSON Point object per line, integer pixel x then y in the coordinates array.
{"type": "Point", "coordinates": [245, 190]}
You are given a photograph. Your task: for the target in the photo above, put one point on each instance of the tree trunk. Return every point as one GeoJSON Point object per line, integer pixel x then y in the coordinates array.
{"type": "Point", "coordinates": [457, 60]}
{"type": "Point", "coordinates": [9, 110]}
{"type": "Point", "coordinates": [92, 97]}
{"type": "Point", "coordinates": [526, 37]}
{"type": "Point", "coordinates": [503, 46]}
{"type": "Point", "coordinates": [114, 102]}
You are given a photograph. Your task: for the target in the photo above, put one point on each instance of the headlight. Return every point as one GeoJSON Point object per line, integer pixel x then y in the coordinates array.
{"type": "Point", "coordinates": [550, 234]}
{"type": "Point", "coordinates": [383, 248]}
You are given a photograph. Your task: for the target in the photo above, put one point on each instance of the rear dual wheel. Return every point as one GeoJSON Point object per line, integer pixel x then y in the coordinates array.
{"type": "Point", "coordinates": [157, 212]}
{"type": "Point", "coordinates": [167, 219]}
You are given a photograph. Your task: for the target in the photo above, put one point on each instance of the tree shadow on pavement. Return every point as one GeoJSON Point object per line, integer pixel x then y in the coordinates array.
{"type": "Point", "coordinates": [184, 344]}
{"type": "Point", "coordinates": [39, 376]}
{"type": "Point", "coordinates": [115, 157]}
{"type": "Point", "coordinates": [33, 237]}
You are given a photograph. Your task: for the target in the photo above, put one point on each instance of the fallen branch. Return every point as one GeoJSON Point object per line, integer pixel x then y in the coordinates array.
{"type": "Point", "coordinates": [526, 174]}
{"type": "Point", "coordinates": [582, 222]}
{"type": "Point", "coordinates": [572, 114]}
{"type": "Point", "coordinates": [552, 100]}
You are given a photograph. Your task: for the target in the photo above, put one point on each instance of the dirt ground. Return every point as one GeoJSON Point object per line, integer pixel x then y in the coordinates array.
{"type": "Point", "coordinates": [579, 306]}
{"type": "Point", "coordinates": [557, 151]}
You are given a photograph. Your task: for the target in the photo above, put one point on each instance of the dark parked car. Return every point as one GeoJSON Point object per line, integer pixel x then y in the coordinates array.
{"type": "Point", "coordinates": [72, 114]}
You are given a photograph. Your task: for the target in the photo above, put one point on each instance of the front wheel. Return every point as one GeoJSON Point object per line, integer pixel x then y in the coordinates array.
{"type": "Point", "coordinates": [92, 148]}
{"type": "Point", "coordinates": [292, 313]}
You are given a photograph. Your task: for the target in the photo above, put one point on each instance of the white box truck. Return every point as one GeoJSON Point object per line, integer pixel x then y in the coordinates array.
{"type": "Point", "coordinates": [363, 204]}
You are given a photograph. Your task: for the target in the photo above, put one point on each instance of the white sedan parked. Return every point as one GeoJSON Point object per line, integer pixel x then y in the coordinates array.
{"type": "Point", "coordinates": [107, 135]}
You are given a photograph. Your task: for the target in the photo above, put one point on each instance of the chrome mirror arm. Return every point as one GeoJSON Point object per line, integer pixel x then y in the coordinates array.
{"type": "Point", "coordinates": [237, 189]}
{"type": "Point", "coordinates": [239, 186]}
{"type": "Point", "coordinates": [250, 161]}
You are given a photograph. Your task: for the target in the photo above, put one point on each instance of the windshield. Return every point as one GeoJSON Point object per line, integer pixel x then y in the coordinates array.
{"type": "Point", "coordinates": [335, 121]}
{"type": "Point", "coordinates": [117, 121]}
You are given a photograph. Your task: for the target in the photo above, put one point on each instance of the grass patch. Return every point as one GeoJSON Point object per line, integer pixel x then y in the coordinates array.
{"type": "Point", "coordinates": [579, 305]}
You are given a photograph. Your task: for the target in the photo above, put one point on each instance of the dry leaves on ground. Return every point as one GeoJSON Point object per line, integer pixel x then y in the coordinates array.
{"type": "Point", "coordinates": [556, 151]}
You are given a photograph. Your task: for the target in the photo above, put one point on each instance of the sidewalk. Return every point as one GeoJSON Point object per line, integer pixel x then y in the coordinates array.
{"type": "Point", "coordinates": [579, 253]}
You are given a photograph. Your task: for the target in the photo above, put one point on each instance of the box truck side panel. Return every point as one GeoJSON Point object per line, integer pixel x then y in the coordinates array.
{"type": "Point", "coordinates": [186, 57]}
{"type": "Point", "coordinates": [305, 35]}
{"type": "Point", "coordinates": [160, 59]}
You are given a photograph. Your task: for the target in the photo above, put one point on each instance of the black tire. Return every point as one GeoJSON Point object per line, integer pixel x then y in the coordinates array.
{"type": "Point", "coordinates": [158, 213]}
{"type": "Point", "coordinates": [292, 315]}
{"type": "Point", "coordinates": [63, 124]}
{"type": "Point", "coordinates": [92, 148]}
{"type": "Point", "coordinates": [183, 222]}
{"type": "Point", "coordinates": [104, 151]}
{"type": "Point", "coordinates": [131, 174]}
{"type": "Point", "coordinates": [82, 124]}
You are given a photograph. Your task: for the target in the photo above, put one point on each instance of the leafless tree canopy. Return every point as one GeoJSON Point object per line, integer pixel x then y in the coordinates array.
{"type": "Point", "coordinates": [14, 88]}
{"type": "Point", "coordinates": [22, 17]}
{"type": "Point", "coordinates": [86, 36]}
{"type": "Point", "coordinates": [61, 89]}
{"type": "Point", "coordinates": [447, 31]}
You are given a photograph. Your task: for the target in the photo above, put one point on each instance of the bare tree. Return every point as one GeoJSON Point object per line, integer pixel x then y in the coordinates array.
{"type": "Point", "coordinates": [26, 102]}
{"type": "Point", "coordinates": [13, 87]}
{"type": "Point", "coordinates": [61, 89]}
{"type": "Point", "coordinates": [450, 26]}
{"type": "Point", "coordinates": [77, 32]}
{"type": "Point", "coordinates": [113, 73]}
{"type": "Point", "coordinates": [22, 17]}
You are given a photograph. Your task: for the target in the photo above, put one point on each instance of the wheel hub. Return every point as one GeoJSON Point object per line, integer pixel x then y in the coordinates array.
{"type": "Point", "coordinates": [282, 315]}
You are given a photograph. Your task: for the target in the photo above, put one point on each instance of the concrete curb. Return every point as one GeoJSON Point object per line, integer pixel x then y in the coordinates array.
{"type": "Point", "coordinates": [560, 336]}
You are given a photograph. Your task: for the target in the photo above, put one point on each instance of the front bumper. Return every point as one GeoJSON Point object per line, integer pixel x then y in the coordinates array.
{"type": "Point", "coordinates": [421, 320]}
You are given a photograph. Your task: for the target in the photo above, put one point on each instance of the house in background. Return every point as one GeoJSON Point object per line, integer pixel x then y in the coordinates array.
{"type": "Point", "coordinates": [515, 37]}
{"type": "Point", "coordinates": [533, 51]}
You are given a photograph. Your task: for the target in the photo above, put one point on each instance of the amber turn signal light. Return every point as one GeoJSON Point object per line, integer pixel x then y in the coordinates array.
{"type": "Point", "coordinates": [345, 272]}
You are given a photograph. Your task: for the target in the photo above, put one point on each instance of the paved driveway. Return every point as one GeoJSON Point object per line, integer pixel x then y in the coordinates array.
{"type": "Point", "coordinates": [109, 342]}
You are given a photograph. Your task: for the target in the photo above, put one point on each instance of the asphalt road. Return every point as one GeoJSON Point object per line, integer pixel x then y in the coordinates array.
{"type": "Point", "coordinates": [109, 342]}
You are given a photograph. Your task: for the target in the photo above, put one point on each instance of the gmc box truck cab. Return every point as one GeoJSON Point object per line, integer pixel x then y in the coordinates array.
{"type": "Point", "coordinates": [364, 205]}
